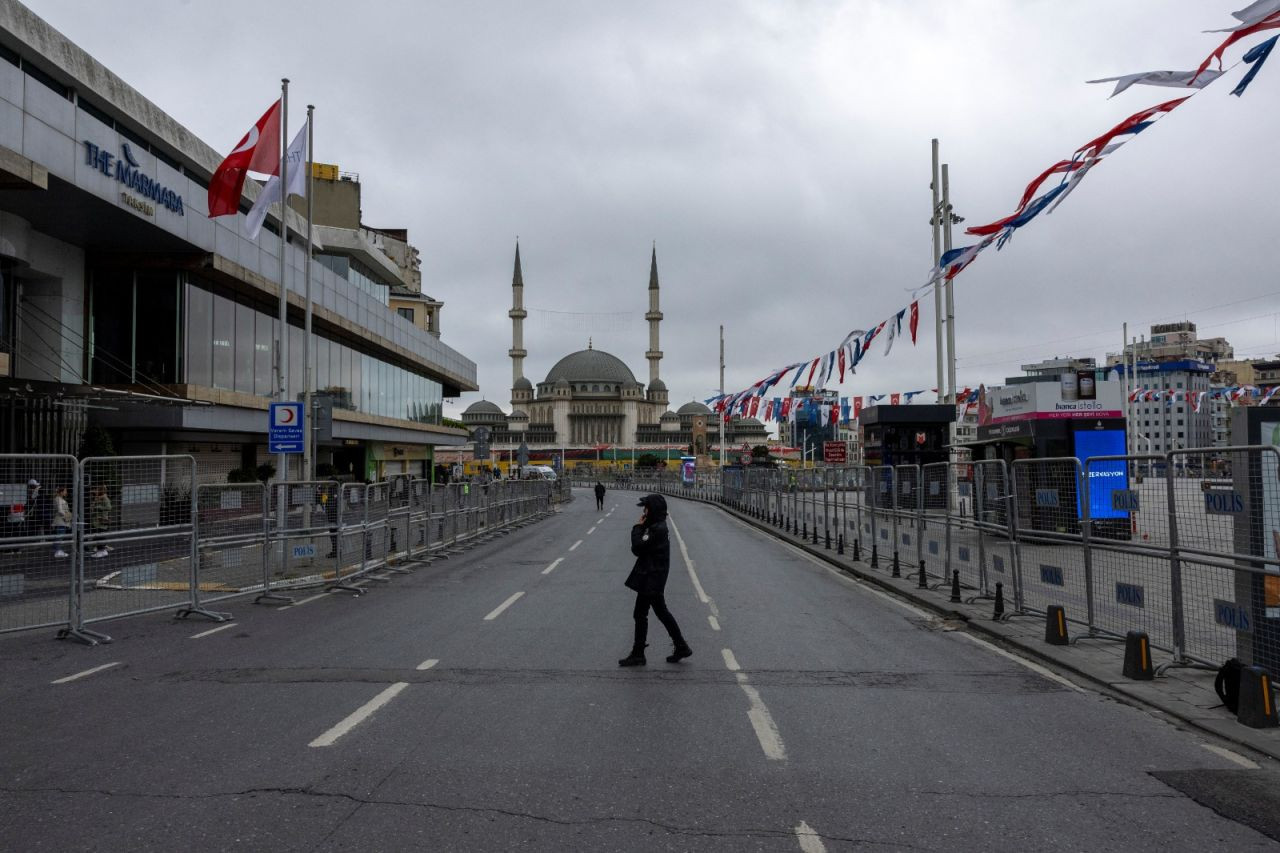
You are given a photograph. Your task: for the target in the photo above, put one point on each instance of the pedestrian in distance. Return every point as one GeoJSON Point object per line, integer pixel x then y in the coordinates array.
{"type": "Point", "coordinates": [61, 521]}
{"type": "Point", "coordinates": [100, 520]}
{"type": "Point", "coordinates": [599, 495]}
{"type": "Point", "coordinates": [652, 548]}
{"type": "Point", "coordinates": [329, 501]}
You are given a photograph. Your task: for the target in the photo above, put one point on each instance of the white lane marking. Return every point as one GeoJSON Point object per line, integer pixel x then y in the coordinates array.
{"type": "Point", "coordinates": [497, 611]}
{"type": "Point", "coordinates": [361, 714]}
{"type": "Point", "coordinates": [212, 631]}
{"type": "Point", "coordinates": [601, 521]}
{"type": "Point", "coordinates": [761, 720]}
{"type": "Point", "coordinates": [1031, 665]}
{"type": "Point", "coordinates": [684, 552]}
{"type": "Point", "coordinates": [304, 601]}
{"type": "Point", "coordinates": [549, 569]}
{"type": "Point", "coordinates": [715, 626]}
{"type": "Point", "coordinates": [427, 664]}
{"type": "Point", "coordinates": [810, 841]}
{"type": "Point", "coordinates": [1233, 757]}
{"type": "Point", "coordinates": [86, 672]}
{"type": "Point", "coordinates": [592, 530]}
{"type": "Point", "coordinates": [575, 544]}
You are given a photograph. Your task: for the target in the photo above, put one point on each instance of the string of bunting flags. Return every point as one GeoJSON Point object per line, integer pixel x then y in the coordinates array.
{"type": "Point", "coordinates": [1236, 395]}
{"type": "Point", "coordinates": [818, 371]}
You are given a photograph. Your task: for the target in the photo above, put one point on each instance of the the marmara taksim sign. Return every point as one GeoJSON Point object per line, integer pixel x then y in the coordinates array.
{"type": "Point", "coordinates": [125, 170]}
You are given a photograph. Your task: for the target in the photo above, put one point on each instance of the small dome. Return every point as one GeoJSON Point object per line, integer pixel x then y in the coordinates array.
{"type": "Point", "coordinates": [561, 382]}
{"type": "Point", "coordinates": [483, 407]}
{"type": "Point", "coordinates": [657, 385]}
{"type": "Point", "coordinates": [518, 415]}
{"type": "Point", "coordinates": [693, 407]}
{"type": "Point", "coordinates": [522, 384]}
{"type": "Point", "coordinates": [590, 365]}
{"type": "Point", "coordinates": [669, 415]}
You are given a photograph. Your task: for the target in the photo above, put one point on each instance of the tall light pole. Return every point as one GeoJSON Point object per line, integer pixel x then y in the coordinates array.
{"type": "Point", "coordinates": [722, 415]}
{"type": "Point", "coordinates": [936, 222]}
{"type": "Point", "coordinates": [949, 218]}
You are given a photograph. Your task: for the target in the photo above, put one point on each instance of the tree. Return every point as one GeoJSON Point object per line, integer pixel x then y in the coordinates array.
{"type": "Point", "coordinates": [96, 441]}
{"type": "Point", "coordinates": [760, 455]}
{"type": "Point", "coordinates": [649, 461]}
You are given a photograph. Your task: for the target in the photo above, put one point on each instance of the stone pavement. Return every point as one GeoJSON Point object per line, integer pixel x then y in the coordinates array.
{"type": "Point", "coordinates": [1182, 693]}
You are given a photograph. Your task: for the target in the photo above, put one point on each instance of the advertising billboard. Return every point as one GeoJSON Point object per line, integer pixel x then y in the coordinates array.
{"type": "Point", "coordinates": [688, 470]}
{"type": "Point", "coordinates": [1050, 400]}
{"type": "Point", "coordinates": [1104, 477]}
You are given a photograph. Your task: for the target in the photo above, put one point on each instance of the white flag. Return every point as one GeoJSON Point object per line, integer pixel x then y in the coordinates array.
{"type": "Point", "coordinates": [296, 158]}
{"type": "Point", "coordinates": [1175, 79]}
{"type": "Point", "coordinates": [1251, 14]}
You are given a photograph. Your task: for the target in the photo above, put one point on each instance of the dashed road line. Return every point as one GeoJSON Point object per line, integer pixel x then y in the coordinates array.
{"type": "Point", "coordinates": [592, 530]}
{"type": "Point", "coordinates": [715, 624]}
{"type": "Point", "coordinates": [684, 552]}
{"type": "Point", "coordinates": [575, 545]}
{"type": "Point", "coordinates": [212, 631]}
{"type": "Point", "coordinates": [304, 601]}
{"type": "Point", "coordinates": [427, 664]}
{"type": "Point", "coordinates": [810, 841]}
{"type": "Point", "coordinates": [1233, 757]}
{"type": "Point", "coordinates": [761, 720]}
{"type": "Point", "coordinates": [86, 672]}
{"type": "Point", "coordinates": [549, 569]}
{"type": "Point", "coordinates": [497, 611]}
{"type": "Point", "coordinates": [361, 714]}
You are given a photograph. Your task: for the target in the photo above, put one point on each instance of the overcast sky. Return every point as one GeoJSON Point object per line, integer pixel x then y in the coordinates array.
{"type": "Point", "coordinates": [778, 154]}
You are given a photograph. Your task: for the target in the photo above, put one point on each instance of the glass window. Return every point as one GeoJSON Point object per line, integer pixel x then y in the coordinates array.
{"type": "Point", "coordinates": [406, 313]}
{"type": "Point", "coordinates": [264, 340]}
{"type": "Point", "coordinates": [296, 362]}
{"type": "Point", "coordinates": [246, 341]}
{"type": "Point", "coordinates": [224, 332]}
{"type": "Point", "coordinates": [199, 329]}
{"type": "Point", "coordinates": [112, 326]}
{"type": "Point", "coordinates": [321, 356]}
{"type": "Point", "coordinates": [156, 344]}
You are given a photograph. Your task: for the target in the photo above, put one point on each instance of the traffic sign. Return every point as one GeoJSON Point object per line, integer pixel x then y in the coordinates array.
{"type": "Point", "coordinates": [834, 452]}
{"type": "Point", "coordinates": [286, 428]}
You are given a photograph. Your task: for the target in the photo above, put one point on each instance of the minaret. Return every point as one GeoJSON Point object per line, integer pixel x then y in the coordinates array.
{"type": "Point", "coordinates": [517, 352]}
{"type": "Point", "coordinates": [654, 317]}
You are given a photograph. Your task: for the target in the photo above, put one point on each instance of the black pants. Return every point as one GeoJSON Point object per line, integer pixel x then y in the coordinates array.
{"type": "Point", "coordinates": [600, 502]}
{"type": "Point", "coordinates": [641, 614]}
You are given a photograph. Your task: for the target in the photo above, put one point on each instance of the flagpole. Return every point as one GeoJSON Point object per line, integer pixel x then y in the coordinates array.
{"type": "Point", "coordinates": [936, 222]}
{"type": "Point", "coordinates": [282, 340]}
{"type": "Point", "coordinates": [722, 414]}
{"type": "Point", "coordinates": [950, 286]}
{"type": "Point", "coordinates": [309, 439]}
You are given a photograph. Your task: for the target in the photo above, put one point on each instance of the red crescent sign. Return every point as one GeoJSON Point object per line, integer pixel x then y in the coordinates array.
{"type": "Point", "coordinates": [286, 415]}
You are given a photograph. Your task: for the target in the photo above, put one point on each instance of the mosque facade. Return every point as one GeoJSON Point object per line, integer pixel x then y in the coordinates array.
{"type": "Point", "coordinates": [591, 399]}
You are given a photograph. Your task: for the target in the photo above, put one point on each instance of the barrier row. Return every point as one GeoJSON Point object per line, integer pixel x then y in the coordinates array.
{"type": "Point", "coordinates": [102, 538]}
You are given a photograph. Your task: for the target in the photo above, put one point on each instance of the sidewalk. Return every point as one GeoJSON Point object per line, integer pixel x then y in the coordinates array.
{"type": "Point", "coordinates": [1184, 694]}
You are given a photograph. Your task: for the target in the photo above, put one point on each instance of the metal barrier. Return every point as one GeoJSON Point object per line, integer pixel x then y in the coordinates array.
{"type": "Point", "coordinates": [148, 545]}
{"type": "Point", "coordinates": [231, 545]}
{"type": "Point", "coordinates": [39, 561]}
{"type": "Point", "coordinates": [1047, 508]}
{"type": "Point", "coordinates": [303, 521]}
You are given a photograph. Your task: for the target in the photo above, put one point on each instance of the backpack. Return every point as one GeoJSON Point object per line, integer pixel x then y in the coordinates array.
{"type": "Point", "coordinates": [1227, 684]}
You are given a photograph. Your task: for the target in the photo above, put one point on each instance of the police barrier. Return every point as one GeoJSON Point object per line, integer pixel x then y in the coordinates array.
{"type": "Point", "coordinates": [231, 545]}
{"type": "Point", "coordinates": [39, 559]}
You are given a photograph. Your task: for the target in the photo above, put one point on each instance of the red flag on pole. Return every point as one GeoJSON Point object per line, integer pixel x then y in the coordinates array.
{"type": "Point", "coordinates": [258, 151]}
{"type": "Point", "coordinates": [915, 320]}
{"type": "Point", "coordinates": [895, 399]}
{"type": "Point", "coordinates": [857, 406]}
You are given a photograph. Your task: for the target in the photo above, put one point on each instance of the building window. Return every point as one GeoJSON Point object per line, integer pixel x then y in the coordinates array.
{"type": "Point", "coordinates": [406, 313]}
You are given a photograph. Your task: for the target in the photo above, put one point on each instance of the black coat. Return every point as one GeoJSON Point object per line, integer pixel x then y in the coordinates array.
{"type": "Point", "coordinates": [652, 547]}
{"type": "Point", "coordinates": [599, 490]}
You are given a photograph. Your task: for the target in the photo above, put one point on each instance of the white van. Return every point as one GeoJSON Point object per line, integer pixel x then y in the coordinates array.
{"type": "Point", "coordinates": [539, 472]}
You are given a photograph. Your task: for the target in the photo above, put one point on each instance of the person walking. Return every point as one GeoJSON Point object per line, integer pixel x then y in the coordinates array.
{"type": "Point", "coordinates": [599, 495]}
{"type": "Point", "coordinates": [652, 547]}
{"type": "Point", "coordinates": [100, 521]}
{"type": "Point", "coordinates": [61, 521]}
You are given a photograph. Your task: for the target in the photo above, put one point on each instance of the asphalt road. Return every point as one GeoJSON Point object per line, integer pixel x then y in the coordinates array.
{"type": "Point", "coordinates": [476, 704]}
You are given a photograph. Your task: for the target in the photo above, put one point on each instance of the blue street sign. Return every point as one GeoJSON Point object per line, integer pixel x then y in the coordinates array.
{"type": "Point", "coordinates": [285, 428]}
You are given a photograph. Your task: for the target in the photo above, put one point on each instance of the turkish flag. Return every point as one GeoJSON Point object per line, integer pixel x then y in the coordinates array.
{"type": "Point", "coordinates": [895, 399]}
{"type": "Point", "coordinates": [857, 406]}
{"type": "Point", "coordinates": [259, 151]}
{"type": "Point", "coordinates": [915, 320]}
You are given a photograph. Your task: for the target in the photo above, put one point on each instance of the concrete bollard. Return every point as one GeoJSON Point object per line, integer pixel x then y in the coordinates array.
{"type": "Point", "coordinates": [1055, 626]}
{"type": "Point", "coordinates": [1137, 657]}
{"type": "Point", "coordinates": [1257, 705]}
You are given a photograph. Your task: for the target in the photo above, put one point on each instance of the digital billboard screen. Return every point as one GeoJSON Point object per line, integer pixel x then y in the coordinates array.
{"type": "Point", "coordinates": [1104, 477]}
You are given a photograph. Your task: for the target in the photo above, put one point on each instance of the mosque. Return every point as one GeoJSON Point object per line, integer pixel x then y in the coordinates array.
{"type": "Point", "coordinates": [590, 399]}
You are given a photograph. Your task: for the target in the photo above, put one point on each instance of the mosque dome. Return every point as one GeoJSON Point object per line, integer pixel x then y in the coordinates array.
{"type": "Point", "coordinates": [590, 365]}
{"type": "Point", "coordinates": [669, 416]}
{"type": "Point", "coordinates": [693, 407]}
{"type": "Point", "coordinates": [522, 384]}
{"type": "Point", "coordinates": [657, 385]}
{"type": "Point", "coordinates": [484, 407]}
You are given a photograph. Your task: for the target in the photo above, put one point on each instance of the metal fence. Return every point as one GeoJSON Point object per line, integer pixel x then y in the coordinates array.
{"type": "Point", "coordinates": [89, 541]}
{"type": "Point", "coordinates": [1184, 546]}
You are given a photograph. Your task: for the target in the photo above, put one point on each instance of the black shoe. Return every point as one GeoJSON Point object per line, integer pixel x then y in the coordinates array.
{"type": "Point", "coordinates": [633, 659]}
{"type": "Point", "coordinates": [680, 652]}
